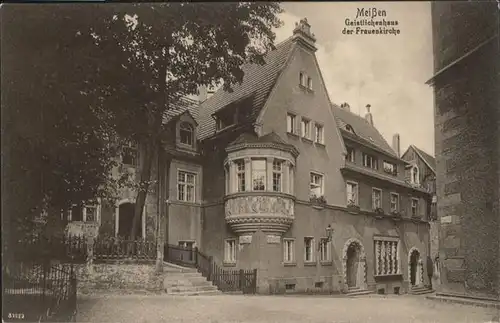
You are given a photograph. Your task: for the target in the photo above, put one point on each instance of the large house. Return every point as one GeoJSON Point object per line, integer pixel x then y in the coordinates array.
{"type": "Point", "coordinates": [273, 176]}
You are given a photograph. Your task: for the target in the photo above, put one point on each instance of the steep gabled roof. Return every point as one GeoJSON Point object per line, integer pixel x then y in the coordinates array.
{"type": "Point", "coordinates": [428, 159]}
{"type": "Point", "coordinates": [184, 104]}
{"type": "Point", "coordinates": [362, 129]}
{"type": "Point", "coordinates": [257, 83]}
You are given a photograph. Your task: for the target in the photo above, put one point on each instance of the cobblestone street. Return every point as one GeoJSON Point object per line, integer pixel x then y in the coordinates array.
{"type": "Point", "coordinates": [238, 308]}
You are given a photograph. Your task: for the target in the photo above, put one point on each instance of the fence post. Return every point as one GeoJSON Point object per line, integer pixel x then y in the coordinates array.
{"type": "Point", "coordinates": [195, 256]}
{"type": "Point", "coordinates": [242, 280]}
{"type": "Point", "coordinates": [254, 283]}
{"type": "Point", "coordinates": [210, 268]}
{"type": "Point", "coordinates": [90, 255]}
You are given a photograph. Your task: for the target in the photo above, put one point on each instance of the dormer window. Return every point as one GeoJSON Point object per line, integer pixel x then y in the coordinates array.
{"type": "Point", "coordinates": [225, 119]}
{"type": "Point", "coordinates": [186, 133]}
{"type": "Point", "coordinates": [349, 128]}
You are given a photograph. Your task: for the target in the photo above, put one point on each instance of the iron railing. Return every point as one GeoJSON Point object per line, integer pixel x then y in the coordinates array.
{"type": "Point", "coordinates": [226, 280]}
{"type": "Point", "coordinates": [39, 292]}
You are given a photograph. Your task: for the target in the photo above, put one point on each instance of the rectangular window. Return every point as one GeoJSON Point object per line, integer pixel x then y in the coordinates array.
{"type": "Point", "coordinates": [309, 83]}
{"type": "Point", "coordinates": [129, 154]}
{"type": "Point", "coordinates": [226, 178]}
{"type": "Point", "coordinates": [90, 213]}
{"type": "Point", "coordinates": [390, 168]}
{"type": "Point", "coordinates": [318, 134]}
{"type": "Point", "coordinates": [305, 128]}
{"type": "Point", "coordinates": [290, 123]}
{"type": "Point", "coordinates": [394, 202]}
{"type": "Point", "coordinates": [352, 193]}
{"type": "Point", "coordinates": [259, 174]}
{"type": "Point", "coordinates": [376, 198]}
{"type": "Point", "coordinates": [76, 213]}
{"type": "Point", "coordinates": [316, 185]}
{"type": "Point", "coordinates": [277, 175]}
{"type": "Point", "coordinates": [308, 249]}
{"type": "Point", "coordinates": [414, 207]}
{"type": "Point", "coordinates": [302, 79]}
{"type": "Point", "coordinates": [350, 154]}
{"type": "Point", "coordinates": [240, 174]}
{"type": "Point", "coordinates": [230, 251]}
{"type": "Point", "coordinates": [386, 256]}
{"type": "Point", "coordinates": [370, 161]}
{"type": "Point", "coordinates": [324, 250]}
{"type": "Point", "coordinates": [185, 186]}
{"type": "Point", "coordinates": [288, 250]}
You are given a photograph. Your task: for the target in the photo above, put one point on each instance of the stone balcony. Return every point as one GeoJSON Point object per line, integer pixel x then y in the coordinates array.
{"type": "Point", "coordinates": [270, 212]}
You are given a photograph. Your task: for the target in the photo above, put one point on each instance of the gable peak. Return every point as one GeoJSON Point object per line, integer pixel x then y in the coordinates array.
{"type": "Point", "coordinates": [302, 32]}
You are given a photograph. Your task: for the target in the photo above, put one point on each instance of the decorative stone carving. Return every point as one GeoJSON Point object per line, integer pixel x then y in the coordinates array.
{"type": "Point", "coordinates": [362, 260]}
{"type": "Point", "coordinates": [246, 214]}
{"type": "Point", "coordinates": [245, 239]}
{"type": "Point", "coordinates": [272, 239]}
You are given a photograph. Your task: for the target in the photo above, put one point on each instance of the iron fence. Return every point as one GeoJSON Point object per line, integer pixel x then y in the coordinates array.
{"type": "Point", "coordinates": [119, 249]}
{"type": "Point", "coordinates": [226, 280]}
{"type": "Point", "coordinates": [38, 292]}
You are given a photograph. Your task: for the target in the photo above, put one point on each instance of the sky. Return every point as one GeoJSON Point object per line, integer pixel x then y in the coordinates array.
{"type": "Point", "coordinates": [386, 71]}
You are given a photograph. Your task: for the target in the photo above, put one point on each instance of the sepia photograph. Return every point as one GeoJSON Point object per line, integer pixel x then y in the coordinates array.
{"type": "Point", "coordinates": [250, 161]}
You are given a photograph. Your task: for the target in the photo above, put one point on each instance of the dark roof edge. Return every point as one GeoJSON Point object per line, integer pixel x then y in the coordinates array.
{"type": "Point", "coordinates": [273, 145]}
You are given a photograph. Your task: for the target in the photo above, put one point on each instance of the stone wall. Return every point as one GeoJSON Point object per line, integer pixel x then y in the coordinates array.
{"type": "Point", "coordinates": [467, 148]}
{"type": "Point", "coordinates": [119, 276]}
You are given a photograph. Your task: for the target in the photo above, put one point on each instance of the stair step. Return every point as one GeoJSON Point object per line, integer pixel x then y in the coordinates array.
{"type": "Point", "coordinates": [198, 293]}
{"type": "Point", "coordinates": [358, 292]}
{"type": "Point", "coordinates": [422, 292]}
{"type": "Point", "coordinates": [190, 288]}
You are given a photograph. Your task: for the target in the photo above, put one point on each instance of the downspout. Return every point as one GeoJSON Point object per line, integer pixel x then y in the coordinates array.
{"type": "Point", "coordinates": [159, 195]}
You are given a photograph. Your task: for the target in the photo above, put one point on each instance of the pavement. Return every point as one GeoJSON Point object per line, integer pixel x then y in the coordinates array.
{"type": "Point", "coordinates": [267, 309]}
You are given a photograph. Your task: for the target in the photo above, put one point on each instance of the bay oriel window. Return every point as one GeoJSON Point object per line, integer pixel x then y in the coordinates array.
{"type": "Point", "coordinates": [258, 174]}
{"type": "Point", "coordinates": [387, 258]}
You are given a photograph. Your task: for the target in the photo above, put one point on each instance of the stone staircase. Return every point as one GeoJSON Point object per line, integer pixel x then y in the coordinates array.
{"type": "Point", "coordinates": [183, 281]}
{"type": "Point", "coordinates": [421, 290]}
{"type": "Point", "coordinates": [356, 291]}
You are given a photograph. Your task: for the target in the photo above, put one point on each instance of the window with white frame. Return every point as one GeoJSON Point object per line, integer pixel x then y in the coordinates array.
{"type": "Point", "coordinates": [305, 128]}
{"type": "Point", "coordinates": [259, 174]}
{"type": "Point", "coordinates": [240, 175]}
{"type": "Point", "coordinates": [394, 202]}
{"type": "Point", "coordinates": [316, 185]}
{"type": "Point", "coordinates": [290, 123]}
{"type": "Point", "coordinates": [376, 198]}
{"type": "Point", "coordinates": [302, 79]}
{"type": "Point", "coordinates": [324, 250]}
{"type": "Point", "coordinates": [350, 154]}
{"type": "Point", "coordinates": [277, 175]}
{"type": "Point", "coordinates": [186, 133]}
{"type": "Point", "coordinates": [318, 133]}
{"type": "Point", "coordinates": [288, 250]}
{"type": "Point", "coordinates": [386, 256]}
{"type": "Point", "coordinates": [352, 193]}
{"type": "Point", "coordinates": [230, 251]}
{"type": "Point", "coordinates": [370, 161]}
{"type": "Point", "coordinates": [84, 212]}
{"type": "Point", "coordinates": [130, 153]}
{"type": "Point", "coordinates": [186, 186]}
{"type": "Point", "coordinates": [308, 249]}
{"type": "Point", "coordinates": [390, 168]}
{"type": "Point", "coordinates": [414, 207]}
{"type": "Point", "coordinates": [415, 177]}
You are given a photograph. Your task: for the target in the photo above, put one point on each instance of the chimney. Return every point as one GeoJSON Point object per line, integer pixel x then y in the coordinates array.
{"type": "Point", "coordinates": [210, 92]}
{"type": "Point", "coordinates": [345, 106]}
{"type": "Point", "coordinates": [302, 33]}
{"type": "Point", "coordinates": [368, 116]}
{"type": "Point", "coordinates": [396, 145]}
{"type": "Point", "coordinates": [202, 93]}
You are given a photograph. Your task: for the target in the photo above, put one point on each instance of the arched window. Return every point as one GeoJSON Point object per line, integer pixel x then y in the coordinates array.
{"type": "Point", "coordinates": [186, 133]}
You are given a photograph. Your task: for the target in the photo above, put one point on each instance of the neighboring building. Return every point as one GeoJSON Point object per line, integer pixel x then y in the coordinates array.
{"type": "Point", "coordinates": [467, 126]}
{"type": "Point", "coordinates": [256, 178]}
{"type": "Point", "coordinates": [421, 171]}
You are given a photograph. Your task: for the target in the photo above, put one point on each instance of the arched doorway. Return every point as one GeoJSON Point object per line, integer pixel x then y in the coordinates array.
{"type": "Point", "coordinates": [125, 218]}
{"type": "Point", "coordinates": [354, 262]}
{"type": "Point", "coordinates": [415, 267]}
